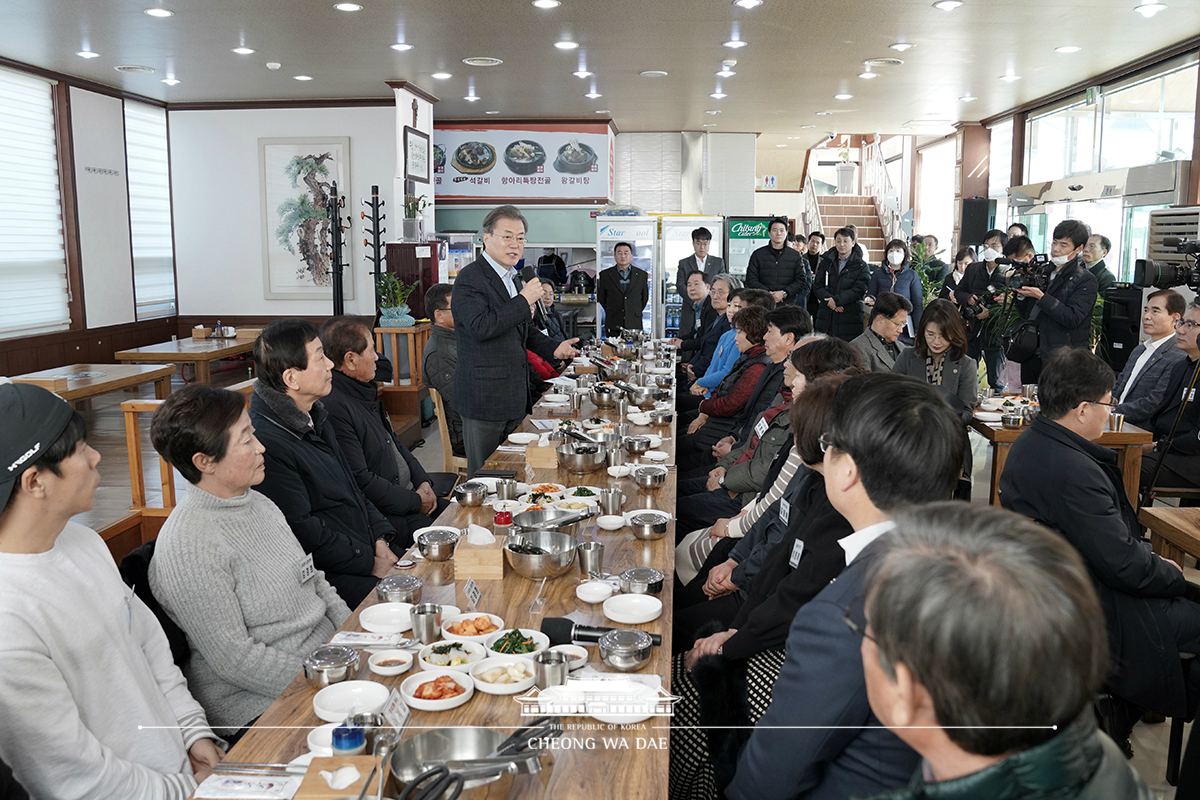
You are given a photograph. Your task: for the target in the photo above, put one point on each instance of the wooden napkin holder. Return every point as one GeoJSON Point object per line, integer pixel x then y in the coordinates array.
{"type": "Point", "coordinates": [483, 562]}
{"type": "Point", "coordinates": [314, 786]}
{"type": "Point", "coordinates": [541, 457]}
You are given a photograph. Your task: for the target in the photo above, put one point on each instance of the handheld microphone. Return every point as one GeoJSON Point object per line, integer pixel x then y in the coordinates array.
{"type": "Point", "coordinates": [562, 630]}
{"type": "Point", "coordinates": [528, 273]}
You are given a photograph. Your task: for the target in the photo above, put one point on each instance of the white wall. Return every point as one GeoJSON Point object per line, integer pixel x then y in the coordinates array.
{"type": "Point", "coordinates": [102, 194]}
{"type": "Point", "coordinates": [647, 172]}
{"type": "Point", "coordinates": [780, 204]}
{"type": "Point", "coordinates": [215, 187]}
{"type": "Point", "coordinates": [729, 179]}
{"type": "Point", "coordinates": [424, 123]}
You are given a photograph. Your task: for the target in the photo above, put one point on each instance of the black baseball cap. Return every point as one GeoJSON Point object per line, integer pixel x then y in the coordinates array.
{"type": "Point", "coordinates": [34, 418]}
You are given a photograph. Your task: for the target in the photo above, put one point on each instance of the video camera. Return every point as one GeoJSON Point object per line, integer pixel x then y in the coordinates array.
{"type": "Point", "coordinates": [1164, 275]}
{"type": "Point", "coordinates": [1013, 274]}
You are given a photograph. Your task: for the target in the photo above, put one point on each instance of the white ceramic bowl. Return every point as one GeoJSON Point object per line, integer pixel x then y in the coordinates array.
{"type": "Point", "coordinates": [641, 420]}
{"type": "Point", "coordinates": [513, 506]}
{"type": "Point", "coordinates": [655, 439]}
{"type": "Point", "coordinates": [320, 740]}
{"type": "Point", "coordinates": [555, 398]}
{"type": "Point", "coordinates": [386, 618]}
{"type": "Point", "coordinates": [619, 471]}
{"type": "Point", "coordinates": [412, 682]}
{"type": "Point", "coordinates": [520, 438]}
{"type": "Point", "coordinates": [501, 662]}
{"type": "Point", "coordinates": [556, 491]}
{"type": "Point", "coordinates": [657, 456]}
{"type": "Point", "coordinates": [577, 657]}
{"type": "Point", "coordinates": [542, 640]}
{"type": "Point", "coordinates": [576, 503]}
{"type": "Point", "coordinates": [633, 609]}
{"type": "Point", "coordinates": [568, 493]}
{"type": "Point", "coordinates": [593, 591]}
{"type": "Point", "coordinates": [475, 653]}
{"type": "Point", "coordinates": [611, 522]}
{"type": "Point", "coordinates": [390, 655]}
{"type": "Point", "coordinates": [335, 703]}
{"type": "Point", "coordinates": [481, 638]}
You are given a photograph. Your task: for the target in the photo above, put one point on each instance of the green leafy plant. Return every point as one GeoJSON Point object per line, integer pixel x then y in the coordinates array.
{"type": "Point", "coordinates": [392, 292]}
{"type": "Point", "coordinates": [413, 204]}
{"type": "Point", "coordinates": [921, 262]}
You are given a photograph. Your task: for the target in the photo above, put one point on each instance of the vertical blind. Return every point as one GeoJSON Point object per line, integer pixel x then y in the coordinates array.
{"type": "Point", "coordinates": [147, 166]}
{"type": "Point", "coordinates": [33, 264]}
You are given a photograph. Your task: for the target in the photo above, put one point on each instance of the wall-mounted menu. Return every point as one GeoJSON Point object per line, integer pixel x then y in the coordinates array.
{"type": "Point", "coordinates": [568, 162]}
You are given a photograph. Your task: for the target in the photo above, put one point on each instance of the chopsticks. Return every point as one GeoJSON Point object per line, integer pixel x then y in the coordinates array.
{"type": "Point", "coordinates": [250, 768]}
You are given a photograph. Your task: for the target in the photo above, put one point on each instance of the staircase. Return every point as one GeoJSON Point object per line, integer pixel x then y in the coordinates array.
{"type": "Point", "coordinates": [838, 211]}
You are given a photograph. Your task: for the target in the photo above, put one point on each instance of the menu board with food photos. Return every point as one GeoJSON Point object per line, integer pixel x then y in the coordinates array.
{"type": "Point", "coordinates": [522, 161]}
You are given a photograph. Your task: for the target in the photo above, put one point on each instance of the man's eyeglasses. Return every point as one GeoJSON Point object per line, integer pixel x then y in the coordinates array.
{"type": "Point", "coordinates": [1186, 325]}
{"type": "Point", "coordinates": [825, 443]}
{"type": "Point", "coordinates": [856, 629]}
{"type": "Point", "coordinates": [899, 325]}
{"type": "Point", "coordinates": [508, 238]}
{"type": "Point", "coordinates": [1112, 404]}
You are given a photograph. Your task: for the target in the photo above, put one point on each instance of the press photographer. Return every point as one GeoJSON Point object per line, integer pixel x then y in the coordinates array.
{"type": "Point", "coordinates": [980, 305]}
{"type": "Point", "coordinates": [1062, 311]}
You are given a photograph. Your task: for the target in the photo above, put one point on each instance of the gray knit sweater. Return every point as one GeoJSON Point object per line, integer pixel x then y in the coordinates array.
{"type": "Point", "coordinates": [228, 573]}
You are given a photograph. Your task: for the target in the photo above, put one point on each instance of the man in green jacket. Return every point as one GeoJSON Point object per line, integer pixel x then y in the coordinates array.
{"type": "Point", "coordinates": [983, 649]}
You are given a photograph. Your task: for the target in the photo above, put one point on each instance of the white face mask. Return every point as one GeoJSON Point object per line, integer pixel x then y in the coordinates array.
{"type": "Point", "coordinates": [1058, 261]}
{"type": "Point", "coordinates": [989, 254]}
{"type": "Point", "coordinates": [895, 258]}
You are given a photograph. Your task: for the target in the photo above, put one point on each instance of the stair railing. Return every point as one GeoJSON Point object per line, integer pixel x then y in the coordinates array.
{"type": "Point", "coordinates": [811, 211]}
{"type": "Point", "coordinates": [877, 185]}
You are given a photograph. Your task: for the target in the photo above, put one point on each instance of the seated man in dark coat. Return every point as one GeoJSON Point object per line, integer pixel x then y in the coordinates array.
{"type": "Point", "coordinates": [996, 712]}
{"type": "Point", "coordinates": [1176, 434]}
{"type": "Point", "coordinates": [306, 473]}
{"type": "Point", "coordinates": [388, 474]}
{"type": "Point", "coordinates": [1058, 475]}
{"type": "Point", "coordinates": [440, 359]}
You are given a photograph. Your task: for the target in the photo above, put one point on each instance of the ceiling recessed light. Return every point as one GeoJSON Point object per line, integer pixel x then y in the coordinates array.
{"type": "Point", "coordinates": [545, 4]}
{"type": "Point", "coordinates": [170, 81]}
{"type": "Point", "coordinates": [718, 95]}
{"type": "Point", "coordinates": [735, 43]}
{"type": "Point", "coordinates": [902, 46]}
{"type": "Point", "coordinates": [709, 125]}
{"type": "Point", "coordinates": [243, 51]}
{"type": "Point", "coordinates": [1010, 78]}
{"type": "Point", "coordinates": [868, 74]}
{"type": "Point", "coordinates": [302, 77]}
{"type": "Point", "coordinates": [824, 113]}
{"type": "Point", "coordinates": [843, 96]}
{"type": "Point", "coordinates": [273, 65]}
{"type": "Point", "coordinates": [491, 112]}
{"type": "Point", "coordinates": [159, 12]}
{"type": "Point", "coordinates": [471, 98]}
{"type": "Point", "coordinates": [441, 76]}
{"type": "Point", "coordinates": [712, 111]}
{"type": "Point", "coordinates": [604, 111]}
{"type": "Point", "coordinates": [1148, 10]}
{"type": "Point", "coordinates": [482, 61]}
{"type": "Point", "coordinates": [793, 137]}
{"type": "Point", "coordinates": [947, 5]}
{"type": "Point", "coordinates": [808, 126]}
{"type": "Point", "coordinates": [748, 3]}
{"type": "Point", "coordinates": [348, 7]}
{"type": "Point", "coordinates": [781, 145]}
{"type": "Point", "coordinates": [134, 69]}
{"type": "Point", "coordinates": [966, 98]}
{"type": "Point", "coordinates": [401, 47]}
{"type": "Point", "coordinates": [593, 95]}
{"type": "Point", "coordinates": [726, 73]}
{"type": "Point", "coordinates": [653, 73]}
{"type": "Point", "coordinates": [566, 45]}
{"type": "Point", "coordinates": [583, 73]}
{"type": "Point", "coordinates": [87, 54]}
{"type": "Point", "coordinates": [1069, 48]}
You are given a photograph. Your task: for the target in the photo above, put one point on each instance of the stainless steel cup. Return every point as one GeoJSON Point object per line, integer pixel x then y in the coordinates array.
{"type": "Point", "coordinates": [550, 668]}
{"type": "Point", "coordinates": [987, 394]}
{"type": "Point", "coordinates": [621, 429]}
{"type": "Point", "coordinates": [506, 489]}
{"type": "Point", "coordinates": [1029, 391]}
{"type": "Point", "coordinates": [1116, 422]}
{"type": "Point", "coordinates": [614, 456]}
{"type": "Point", "coordinates": [622, 407]}
{"type": "Point", "coordinates": [591, 558]}
{"type": "Point", "coordinates": [576, 401]}
{"type": "Point", "coordinates": [610, 500]}
{"type": "Point", "coordinates": [426, 622]}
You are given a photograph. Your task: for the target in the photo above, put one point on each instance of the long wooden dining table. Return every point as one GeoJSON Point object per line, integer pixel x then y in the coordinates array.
{"type": "Point", "coordinates": [594, 759]}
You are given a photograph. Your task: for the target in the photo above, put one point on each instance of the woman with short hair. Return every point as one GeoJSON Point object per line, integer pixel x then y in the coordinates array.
{"type": "Point", "coordinates": [227, 568]}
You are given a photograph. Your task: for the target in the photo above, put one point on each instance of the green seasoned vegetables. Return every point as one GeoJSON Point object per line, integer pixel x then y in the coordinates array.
{"type": "Point", "coordinates": [514, 642]}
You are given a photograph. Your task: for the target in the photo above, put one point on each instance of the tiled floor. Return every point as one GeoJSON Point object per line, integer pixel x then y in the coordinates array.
{"type": "Point", "coordinates": [107, 435]}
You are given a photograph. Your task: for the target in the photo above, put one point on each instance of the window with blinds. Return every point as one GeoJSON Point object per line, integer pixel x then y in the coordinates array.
{"type": "Point", "coordinates": [147, 166]}
{"type": "Point", "coordinates": [33, 262]}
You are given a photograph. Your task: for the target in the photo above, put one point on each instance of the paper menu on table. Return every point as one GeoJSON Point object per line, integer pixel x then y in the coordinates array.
{"type": "Point", "coordinates": [248, 787]}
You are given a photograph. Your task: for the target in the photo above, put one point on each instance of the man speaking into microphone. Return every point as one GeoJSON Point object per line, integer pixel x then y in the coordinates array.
{"type": "Point", "coordinates": [493, 327]}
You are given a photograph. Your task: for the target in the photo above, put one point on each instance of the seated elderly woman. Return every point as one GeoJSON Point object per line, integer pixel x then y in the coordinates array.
{"type": "Point", "coordinates": [227, 568]}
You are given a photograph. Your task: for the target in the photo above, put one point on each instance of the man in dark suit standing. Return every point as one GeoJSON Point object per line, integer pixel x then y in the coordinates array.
{"type": "Point", "coordinates": [493, 326]}
{"type": "Point", "coordinates": [623, 291]}
{"type": "Point", "coordinates": [712, 266]}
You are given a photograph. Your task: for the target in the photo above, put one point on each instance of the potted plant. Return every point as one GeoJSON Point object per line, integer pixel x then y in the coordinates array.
{"type": "Point", "coordinates": [392, 295]}
{"type": "Point", "coordinates": [845, 172]}
{"type": "Point", "coordinates": [411, 225]}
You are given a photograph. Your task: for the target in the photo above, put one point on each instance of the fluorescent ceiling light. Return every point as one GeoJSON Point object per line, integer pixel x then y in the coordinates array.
{"type": "Point", "coordinates": [401, 47]}
{"type": "Point", "coordinates": [566, 45]}
{"type": "Point", "coordinates": [243, 51]}
{"type": "Point", "coordinates": [653, 73]}
{"type": "Point", "coordinates": [545, 4]}
{"type": "Point", "coordinates": [170, 81]}
{"type": "Point", "coordinates": [735, 43]}
{"type": "Point", "coordinates": [159, 12]}
{"type": "Point", "coordinates": [947, 5]}
{"type": "Point", "coordinates": [441, 76]}
{"type": "Point", "coordinates": [748, 3]}
{"type": "Point", "coordinates": [582, 73]}
{"type": "Point", "coordinates": [902, 46]}
{"type": "Point", "coordinates": [1069, 48]}
{"type": "Point", "coordinates": [718, 95]}
{"type": "Point", "coordinates": [1148, 10]}
{"type": "Point", "coordinates": [843, 96]}
{"type": "Point", "coordinates": [593, 95]}
{"type": "Point", "coordinates": [87, 54]}
{"type": "Point", "coordinates": [348, 7]}
{"type": "Point", "coordinates": [302, 77]}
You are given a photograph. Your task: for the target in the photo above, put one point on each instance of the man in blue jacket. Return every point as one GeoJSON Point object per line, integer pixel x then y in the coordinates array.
{"type": "Point", "coordinates": [892, 441]}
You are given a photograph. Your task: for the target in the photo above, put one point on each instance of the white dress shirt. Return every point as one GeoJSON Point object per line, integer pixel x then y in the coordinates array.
{"type": "Point", "coordinates": [507, 274]}
{"type": "Point", "coordinates": [1150, 348]}
{"type": "Point", "coordinates": [856, 542]}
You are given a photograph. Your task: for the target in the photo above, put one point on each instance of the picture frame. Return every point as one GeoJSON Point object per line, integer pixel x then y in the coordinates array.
{"type": "Point", "coordinates": [296, 175]}
{"type": "Point", "coordinates": [416, 155]}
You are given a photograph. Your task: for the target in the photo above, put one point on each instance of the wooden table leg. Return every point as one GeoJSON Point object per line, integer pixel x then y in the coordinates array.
{"type": "Point", "coordinates": [162, 388]}
{"type": "Point", "coordinates": [395, 339]}
{"type": "Point", "coordinates": [203, 373]}
{"type": "Point", "coordinates": [1129, 458]}
{"type": "Point", "coordinates": [414, 367]}
{"type": "Point", "coordinates": [999, 456]}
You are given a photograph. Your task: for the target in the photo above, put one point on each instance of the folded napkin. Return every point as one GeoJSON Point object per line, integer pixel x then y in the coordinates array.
{"type": "Point", "coordinates": [477, 534]}
{"type": "Point", "coordinates": [341, 777]}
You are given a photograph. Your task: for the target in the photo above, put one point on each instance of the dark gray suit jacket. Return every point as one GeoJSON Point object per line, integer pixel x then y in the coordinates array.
{"type": "Point", "coordinates": [875, 356]}
{"type": "Point", "coordinates": [493, 331]}
{"type": "Point", "coordinates": [713, 267]}
{"type": "Point", "coordinates": [1149, 388]}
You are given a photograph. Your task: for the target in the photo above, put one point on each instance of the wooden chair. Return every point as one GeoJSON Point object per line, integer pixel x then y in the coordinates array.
{"type": "Point", "coordinates": [450, 462]}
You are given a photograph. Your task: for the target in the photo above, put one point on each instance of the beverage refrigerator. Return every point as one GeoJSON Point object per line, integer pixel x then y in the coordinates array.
{"type": "Point", "coordinates": [675, 244]}
{"type": "Point", "coordinates": [744, 235]}
{"type": "Point", "coordinates": [642, 234]}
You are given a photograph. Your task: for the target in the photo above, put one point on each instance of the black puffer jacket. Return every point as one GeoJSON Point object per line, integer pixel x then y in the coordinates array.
{"type": "Point", "coordinates": [779, 270]}
{"type": "Point", "coordinates": [847, 289]}
{"type": "Point", "coordinates": [308, 478]}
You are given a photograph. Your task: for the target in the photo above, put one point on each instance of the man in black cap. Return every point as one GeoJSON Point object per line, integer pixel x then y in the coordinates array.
{"type": "Point", "coordinates": [92, 702]}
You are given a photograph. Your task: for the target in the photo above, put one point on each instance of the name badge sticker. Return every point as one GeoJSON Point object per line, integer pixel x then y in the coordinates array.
{"type": "Point", "coordinates": [760, 428]}
{"type": "Point", "coordinates": [306, 569]}
{"type": "Point", "coordinates": [785, 510]}
{"type": "Point", "coordinates": [797, 551]}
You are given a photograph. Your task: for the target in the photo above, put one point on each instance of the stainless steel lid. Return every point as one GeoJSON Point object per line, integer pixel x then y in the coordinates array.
{"type": "Point", "coordinates": [329, 656]}
{"type": "Point", "coordinates": [650, 470]}
{"type": "Point", "coordinates": [471, 486]}
{"type": "Point", "coordinates": [399, 583]}
{"type": "Point", "coordinates": [638, 439]}
{"type": "Point", "coordinates": [439, 535]}
{"type": "Point", "coordinates": [642, 575]}
{"type": "Point", "coordinates": [625, 641]}
{"type": "Point", "coordinates": [648, 518]}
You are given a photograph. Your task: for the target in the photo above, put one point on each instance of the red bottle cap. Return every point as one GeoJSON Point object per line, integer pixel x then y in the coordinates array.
{"type": "Point", "coordinates": [503, 518]}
